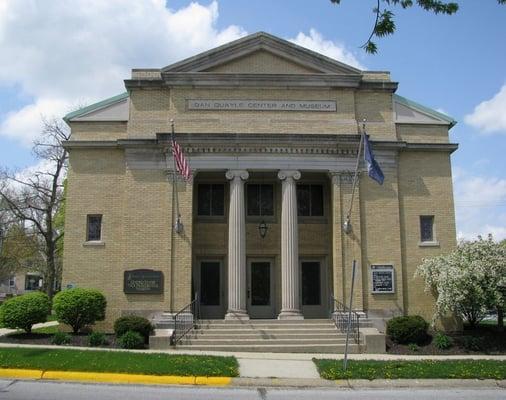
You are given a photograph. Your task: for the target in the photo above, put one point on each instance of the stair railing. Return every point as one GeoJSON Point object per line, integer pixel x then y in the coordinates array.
{"type": "Point", "coordinates": [341, 316]}
{"type": "Point", "coordinates": [185, 320]}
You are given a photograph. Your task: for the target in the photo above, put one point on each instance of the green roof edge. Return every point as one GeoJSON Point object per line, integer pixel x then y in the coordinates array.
{"type": "Point", "coordinates": [410, 103]}
{"type": "Point", "coordinates": [95, 106]}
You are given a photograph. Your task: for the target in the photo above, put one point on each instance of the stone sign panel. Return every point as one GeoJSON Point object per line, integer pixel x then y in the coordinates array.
{"type": "Point", "coordinates": [382, 278]}
{"type": "Point", "coordinates": [143, 281]}
{"type": "Point", "coordinates": [263, 105]}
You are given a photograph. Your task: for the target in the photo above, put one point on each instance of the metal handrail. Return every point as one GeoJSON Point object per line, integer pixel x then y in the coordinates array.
{"type": "Point", "coordinates": [340, 316]}
{"type": "Point", "coordinates": [185, 320]}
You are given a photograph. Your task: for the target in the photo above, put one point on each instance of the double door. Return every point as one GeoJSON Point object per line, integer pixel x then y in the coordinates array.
{"type": "Point", "coordinates": [261, 288]}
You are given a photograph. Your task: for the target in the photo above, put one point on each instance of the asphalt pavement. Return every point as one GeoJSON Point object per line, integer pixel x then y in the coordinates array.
{"type": "Point", "coordinates": [38, 390]}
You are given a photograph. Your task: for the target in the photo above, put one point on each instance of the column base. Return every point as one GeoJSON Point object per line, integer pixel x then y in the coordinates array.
{"type": "Point", "coordinates": [292, 314]}
{"type": "Point", "coordinates": [236, 315]}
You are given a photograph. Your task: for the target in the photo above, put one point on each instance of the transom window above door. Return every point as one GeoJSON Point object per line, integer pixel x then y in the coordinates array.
{"type": "Point", "coordinates": [260, 200]}
{"type": "Point", "coordinates": [211, 199]}
{"type": "Point", "coordinates": [310, 200]}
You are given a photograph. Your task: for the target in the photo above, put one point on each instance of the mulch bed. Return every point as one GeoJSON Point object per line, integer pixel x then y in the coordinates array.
{"type": "Point", "coordinates": [490, 340]}
{"type": "Point", "coordinates": [45, 339]}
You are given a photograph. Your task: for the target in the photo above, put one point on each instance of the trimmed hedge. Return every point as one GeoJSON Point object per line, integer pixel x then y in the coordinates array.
{"type": "Point", "coordinates": [408, 329]}
{"type": "Point", "coordinates": [22, 312]}
{"type": "Point", "coordinates": [133, 323]}
{"type": "Point", "coordinates": [79, 307]}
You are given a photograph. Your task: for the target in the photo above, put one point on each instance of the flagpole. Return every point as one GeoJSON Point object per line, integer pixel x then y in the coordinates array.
{"type": "Point", "coordinates": [347, 222]}
{"type": "Point", "coordinates": [178, 226]}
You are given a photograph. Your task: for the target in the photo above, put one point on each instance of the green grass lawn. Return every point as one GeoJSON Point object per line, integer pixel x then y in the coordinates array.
{"type": "Point", "coordinates": [113, 361]}
{"type": "Point", "coordinates": [426, 369]}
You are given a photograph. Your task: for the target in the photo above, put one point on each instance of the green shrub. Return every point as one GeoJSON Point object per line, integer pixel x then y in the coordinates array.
{"type": "Point", "coordinates": [133, 323]}
{"type": "Point", "coordinates": [473, 343]}
{"type": "Point", "coordinates": [60, 338]}
{"type": "Point", "coordinates": [96, 339]}
{"type": "Point", "coordinates": [409, 329]}
{"type": "Point", "coordinates": [442, 341]}
{"type": "Point", "coordinates": [22, 312]}
{"type": "Point", "coordinates": [79, 307]}
{"type": "Point", "coordinates": [131, 340]}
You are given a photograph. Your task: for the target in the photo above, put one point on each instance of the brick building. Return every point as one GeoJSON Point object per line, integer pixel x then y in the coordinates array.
{"type": "Point", "coordinates": [271, 131]}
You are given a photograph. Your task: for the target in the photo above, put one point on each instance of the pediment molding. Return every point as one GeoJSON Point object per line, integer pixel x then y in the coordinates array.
{"type": "Point", "coordinates": [261, 41]}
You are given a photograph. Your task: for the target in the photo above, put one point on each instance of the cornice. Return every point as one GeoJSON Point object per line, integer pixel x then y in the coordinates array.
{"type": "Point", "coordinates": [311, 144]}
{"type": "Point", "coordinates": [233, 80]}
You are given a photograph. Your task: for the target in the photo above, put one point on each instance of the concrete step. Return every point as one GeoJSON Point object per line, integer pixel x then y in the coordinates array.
{"type": "Point", "coordinates": [266, 326]}
{"type": "Point", "coordinates": [275, 348]}
{"type": "Point", "coordinates": [263, 321]}
{"type": "Point", "coordinates": [260, 341]}
{"type": "Point", "coordinates": [266, 335]}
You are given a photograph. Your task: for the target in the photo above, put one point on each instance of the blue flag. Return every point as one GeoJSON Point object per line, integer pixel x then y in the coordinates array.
{"type": "Point", "coordinates": [373, 168]}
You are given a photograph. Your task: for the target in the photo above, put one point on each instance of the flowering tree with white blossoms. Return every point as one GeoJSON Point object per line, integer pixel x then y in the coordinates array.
{"type": "Point", "coordinates": [469, 281]}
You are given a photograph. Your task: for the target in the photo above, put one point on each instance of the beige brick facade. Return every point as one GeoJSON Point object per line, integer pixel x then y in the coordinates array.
{"type": "Point", "coordinates": [118, 170]}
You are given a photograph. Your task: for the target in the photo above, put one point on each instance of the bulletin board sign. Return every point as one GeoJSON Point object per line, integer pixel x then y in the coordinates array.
{"type": "Point", "coordinates": [383, 278]}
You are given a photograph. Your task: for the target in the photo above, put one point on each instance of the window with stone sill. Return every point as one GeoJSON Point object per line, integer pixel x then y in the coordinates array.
{"type": "Point", "coordinates": [94, 227]}
{"type": "Point", "coordinates": [426, 228]}
{"type": "Point", "coordinates": [310, 200]}
{"type": "Point", "coordinates": [32, 282]}
{"type": "Point", "coordinates": [211, 200]}
{"type": "Point", "coordinates": [260, 200]}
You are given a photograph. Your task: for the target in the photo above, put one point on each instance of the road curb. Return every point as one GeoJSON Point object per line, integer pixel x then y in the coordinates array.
{"type": "Point", "coordinates": [343, 384]}
{"type": "Point", "coordinates": [119, 378]}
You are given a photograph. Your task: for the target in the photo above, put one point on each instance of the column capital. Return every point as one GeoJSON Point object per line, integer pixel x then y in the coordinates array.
{"type": "Point", "coordinates": [289, 174]}
{"type": "Point", "coordinates": [237, 173]}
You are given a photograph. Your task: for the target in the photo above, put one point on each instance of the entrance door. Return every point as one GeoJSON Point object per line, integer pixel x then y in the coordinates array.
{"type": "Point", "coordinates": [260, 289]}
{"type": "Point", "coordinates": [210, 281]}
{"type": "Point", "coordinates": [313, 289]}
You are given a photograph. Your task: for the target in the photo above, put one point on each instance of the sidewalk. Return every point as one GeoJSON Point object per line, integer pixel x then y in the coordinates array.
{"type": "Point", "coordinates": [6, 331]}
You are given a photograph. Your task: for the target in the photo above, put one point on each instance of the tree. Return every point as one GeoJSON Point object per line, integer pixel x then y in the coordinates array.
{"type": "Point", "coordinates": [384, 24]}
{"type": "Point", "coordinates": [19, 251]}
{"type": "Point", "coordinates": [36, 197]}
{"type": "Point", "coordinates": [469, 281]}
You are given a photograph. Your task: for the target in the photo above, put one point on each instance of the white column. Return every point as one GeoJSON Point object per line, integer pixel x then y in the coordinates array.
{"type": "Point", "coordinates": [237, 247]}
{"type": "Point", "coordinates": [290, 298]}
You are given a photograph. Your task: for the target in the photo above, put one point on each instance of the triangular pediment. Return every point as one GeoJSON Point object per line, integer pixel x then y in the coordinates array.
{"type": "Point", "coordinates": [409, 112]}
{"type": "Point", "coordinates": [262, 62]}
{"type": "Point", "coordinates": [262, 53]}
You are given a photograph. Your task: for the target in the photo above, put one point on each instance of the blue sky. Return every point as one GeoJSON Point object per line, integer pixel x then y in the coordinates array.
{"type": "Point", "coordinates": [62, 54]}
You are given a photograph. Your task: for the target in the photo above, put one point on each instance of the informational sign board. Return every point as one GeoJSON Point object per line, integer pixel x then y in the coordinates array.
{"type": "Point", "coordinates": [383, 279]}
{"type": "Point", "coordinates": [143, 281]}
{"type": "Point", "coordinates": [263, 105]}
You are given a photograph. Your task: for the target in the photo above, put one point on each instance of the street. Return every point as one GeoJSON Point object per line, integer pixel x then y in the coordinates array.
{"type": "Point", "coordinates": [37, 390]}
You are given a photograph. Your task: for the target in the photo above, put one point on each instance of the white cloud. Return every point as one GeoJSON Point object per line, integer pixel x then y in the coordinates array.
{"type": "Point", "coordinates": [60, 51]}
{"type": "Point", "coordinates": [317, 43]}
{"type": "Point", "coordinates": [490, 116]}
{"type": "Point", "coordinates": [480, 205]}
{"type": "Point", "coordinates": [25, 124]}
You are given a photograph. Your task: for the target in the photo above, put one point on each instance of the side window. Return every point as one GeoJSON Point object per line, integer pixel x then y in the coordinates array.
{"type": "Point", "coordinates": [94, 227]}
{"type": "Point", "coordinates": [211, 200]}
{"type": "Point", "coordinates": [426, 228]}
{"type": "Point", "coordinates": [32, 282]}
{"type": "Point", "coordinates": [260, 200]}
{"type": "Point", "coordinates": [310, 200]}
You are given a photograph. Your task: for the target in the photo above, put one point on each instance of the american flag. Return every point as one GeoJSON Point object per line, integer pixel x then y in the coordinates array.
{"type": "Point", "coordinates": [182, 165]}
